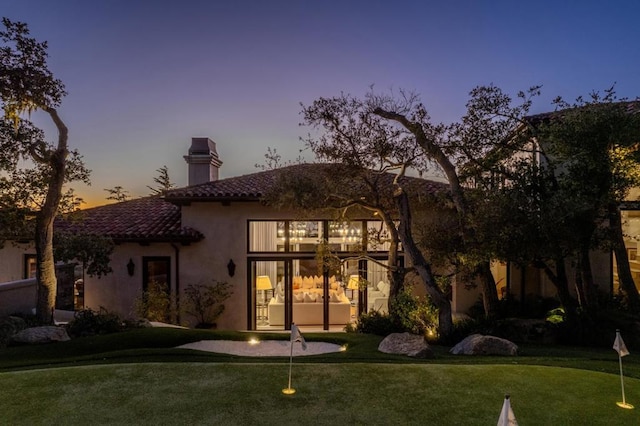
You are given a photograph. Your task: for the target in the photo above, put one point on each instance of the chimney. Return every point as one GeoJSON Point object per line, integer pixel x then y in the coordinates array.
{"type": "Point", "coordinates": [203, 161]}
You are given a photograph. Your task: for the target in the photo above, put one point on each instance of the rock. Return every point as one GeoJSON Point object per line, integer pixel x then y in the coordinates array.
{"type": "Point", "coordinates": [406, 344]}
{"type": "Point", "coordinates": [477, 344]}
{"type": "Point", "coordinates": [45, 334]}
{"type": "Point", "coordinates": [9, 326]}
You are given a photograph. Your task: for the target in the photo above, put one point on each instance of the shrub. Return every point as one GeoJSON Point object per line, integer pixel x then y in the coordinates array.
{"type": "Point", "coordinates": [413, 314]}
{"type": "Point", "coordinates": [88, 323]}
{"type": "Point", "coordinates": [155, 303]}
{"type": "Point", "coordinates": [376, 323]}
{"type": "Point", "coordinates": [461, 329]}
{"type": "Point", "coordinates": [416, 314]}
{"type": "Point", "coordinates": [599, 329]}
{"type": "Point", "coordinates": [205, 303]}
{"type": "Point", "coordinates": [556, 316]}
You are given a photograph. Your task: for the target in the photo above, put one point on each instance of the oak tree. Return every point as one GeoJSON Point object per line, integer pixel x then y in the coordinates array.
{"type": "Point", "coordinates": [27, 85]}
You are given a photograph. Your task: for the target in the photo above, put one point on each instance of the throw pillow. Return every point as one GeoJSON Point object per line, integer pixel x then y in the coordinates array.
{"type": "Point", "coordinates": [307, 282]}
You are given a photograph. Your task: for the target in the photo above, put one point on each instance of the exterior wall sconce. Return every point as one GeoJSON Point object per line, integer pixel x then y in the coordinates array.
{"type": "Point", "coordinates": [131, 267]}
{"type": "Point", "coordinates": [231, 267]}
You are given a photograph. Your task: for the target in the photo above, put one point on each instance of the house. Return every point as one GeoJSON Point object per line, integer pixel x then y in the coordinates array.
{"type": "Point", "coordinates": [221, 230]}
{"type": "Point", "coordinates": [534, 144]}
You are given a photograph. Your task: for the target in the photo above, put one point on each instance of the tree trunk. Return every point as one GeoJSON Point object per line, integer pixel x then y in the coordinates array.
{"type": "Point", "coordinates": [45, 264]}
{"type": "Point", "coordinates": [422, 267]}
{"type": "Point", "coordinates": [584, 269]}
{"type": "Point", "coordinates": [395, 274]}
{"type": "Point", "coordinates": [45, 269]}
{"type": "Point", "coordinates": [627, 285]}
{"type": "Point", "coordinates": [580, 291]}
{"type": "Point", "coordinates": [489, 291]}
{"type": "Point", "coordinates": [560, 281]}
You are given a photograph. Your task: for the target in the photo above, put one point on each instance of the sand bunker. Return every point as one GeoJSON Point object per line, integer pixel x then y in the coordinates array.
{"type": "Point", "coordinates": [262, 348]}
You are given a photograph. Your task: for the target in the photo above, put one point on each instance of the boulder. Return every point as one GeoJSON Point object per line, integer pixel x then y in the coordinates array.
{"type": "Point", "coordinates": [9, 326]}
{"type": "Point", "coordinates": [406, 344]}
{"type": "Point", "coordinates": [477, 344]}
{"type": "Point", "coordinates": [44, 334]}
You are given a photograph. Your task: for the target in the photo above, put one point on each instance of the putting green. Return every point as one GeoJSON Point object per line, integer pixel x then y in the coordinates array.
{"type": "Point", "coordinates": [223, 393]}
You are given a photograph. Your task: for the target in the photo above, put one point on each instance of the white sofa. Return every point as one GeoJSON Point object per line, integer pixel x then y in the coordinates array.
{"type": "Point", "coordinates": [378, 298]}
{"type": "Point", "coordinates": [310, 313]}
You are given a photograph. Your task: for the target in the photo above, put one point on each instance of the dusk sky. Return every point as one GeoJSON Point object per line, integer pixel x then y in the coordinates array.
{"type": "Point", "coordinates": [146, 76]}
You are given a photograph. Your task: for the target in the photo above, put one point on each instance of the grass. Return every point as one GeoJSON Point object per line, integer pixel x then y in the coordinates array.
{"type": "Point", "coordinates": [137, 377]}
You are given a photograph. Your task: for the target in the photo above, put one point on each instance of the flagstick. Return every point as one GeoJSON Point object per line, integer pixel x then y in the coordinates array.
{"type": "Point", "coordinates": [622, 404]}
{"type": "Point", "coordinates": [289, 390]}
{"type": "Point", "coordinates": [505, 421]}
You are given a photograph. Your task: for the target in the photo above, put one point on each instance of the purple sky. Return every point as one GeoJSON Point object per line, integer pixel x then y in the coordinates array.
{"type": "Point", "coordinates": [145, 76]}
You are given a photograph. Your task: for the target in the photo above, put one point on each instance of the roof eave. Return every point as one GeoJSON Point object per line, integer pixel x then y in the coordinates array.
{"type": "Point", "coordinates": [186, 200]}
{"type": "Point", "coordinates": [166, 239]}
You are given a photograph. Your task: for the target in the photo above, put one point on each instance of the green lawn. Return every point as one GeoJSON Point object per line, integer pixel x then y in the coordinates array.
{"type": "Point", "coordinates": [137, 378]}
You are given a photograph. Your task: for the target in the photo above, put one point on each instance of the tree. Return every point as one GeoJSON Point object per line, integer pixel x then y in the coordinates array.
{"type": "Point", "coordinates": [396, 133]}
{"type": "Point", "coordinates": [487, 126]}
{"type": "Point", "coordinates": [117, 193]}
{"type": "Point", "coordinates": [163, 181]}
{"type": "Point", "coordinates": [593, 146]}
{"type": "Point", "coordinates": [369, 147]}
{"type": "Point", "coordinates": [26, 85]}
{"type": "Point", "coordinates": [580, 163]}
{"type": "Point", "coordinates": [93, 251]}
{"type": "Point", "coordinates": [345, 192]}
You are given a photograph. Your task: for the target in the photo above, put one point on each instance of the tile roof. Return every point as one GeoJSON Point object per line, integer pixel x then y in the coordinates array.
{"type": "Point", "coordinates": [253, 186]}
{"type": "Point", "coordinates": [147, 219]}
{"type": "Point", "coordinates": [632, 107]}
{"type": "Point", "coordinates": [158, 218]}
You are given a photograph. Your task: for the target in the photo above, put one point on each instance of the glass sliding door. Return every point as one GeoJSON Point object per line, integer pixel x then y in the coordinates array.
{"type": "Point", "coordinates": [292, 291]}
{"type": "Point", "coordinates": [268, 294]}
{"type": "Point", "coordinates": [286, 284]}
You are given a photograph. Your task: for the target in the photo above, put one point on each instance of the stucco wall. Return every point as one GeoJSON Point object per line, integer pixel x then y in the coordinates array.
{"type": "Point", "coordinates": [12, 260]}
{"type": "Point", "coordinates": [18, 297]}
{"type": "Point", "coordinates": [117, 292]}
{"type": "Point", "coordinates": [225, 231]}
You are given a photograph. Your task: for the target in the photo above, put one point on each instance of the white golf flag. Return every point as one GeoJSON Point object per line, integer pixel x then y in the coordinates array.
{"type": "Point", "coordinates": [296, 336]}
{"type": "Point", "coordinates": [507, 418]}
{"type": "Point", "coordinates": [619, 345]}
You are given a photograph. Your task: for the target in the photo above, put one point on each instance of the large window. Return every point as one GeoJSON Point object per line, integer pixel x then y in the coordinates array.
{"type": "Point", "coordinates": [305, 236]}
{"type": "Point", "coordinates": [378, 236]}
{"type": "Point", "coordinates": [346, 236]}
{"type": "Point", "coordinates": [266, 236]}
{"type": "Point", "coordinates": [287, 285]}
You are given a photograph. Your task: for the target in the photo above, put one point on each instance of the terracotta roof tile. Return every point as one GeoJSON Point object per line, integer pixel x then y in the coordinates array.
{"type": "Point", "coordinates": [144, 219]}
{"type": "Point", "coordinates": [157, 218]}
{"type": "Point", "coordinates": [253, 186]}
